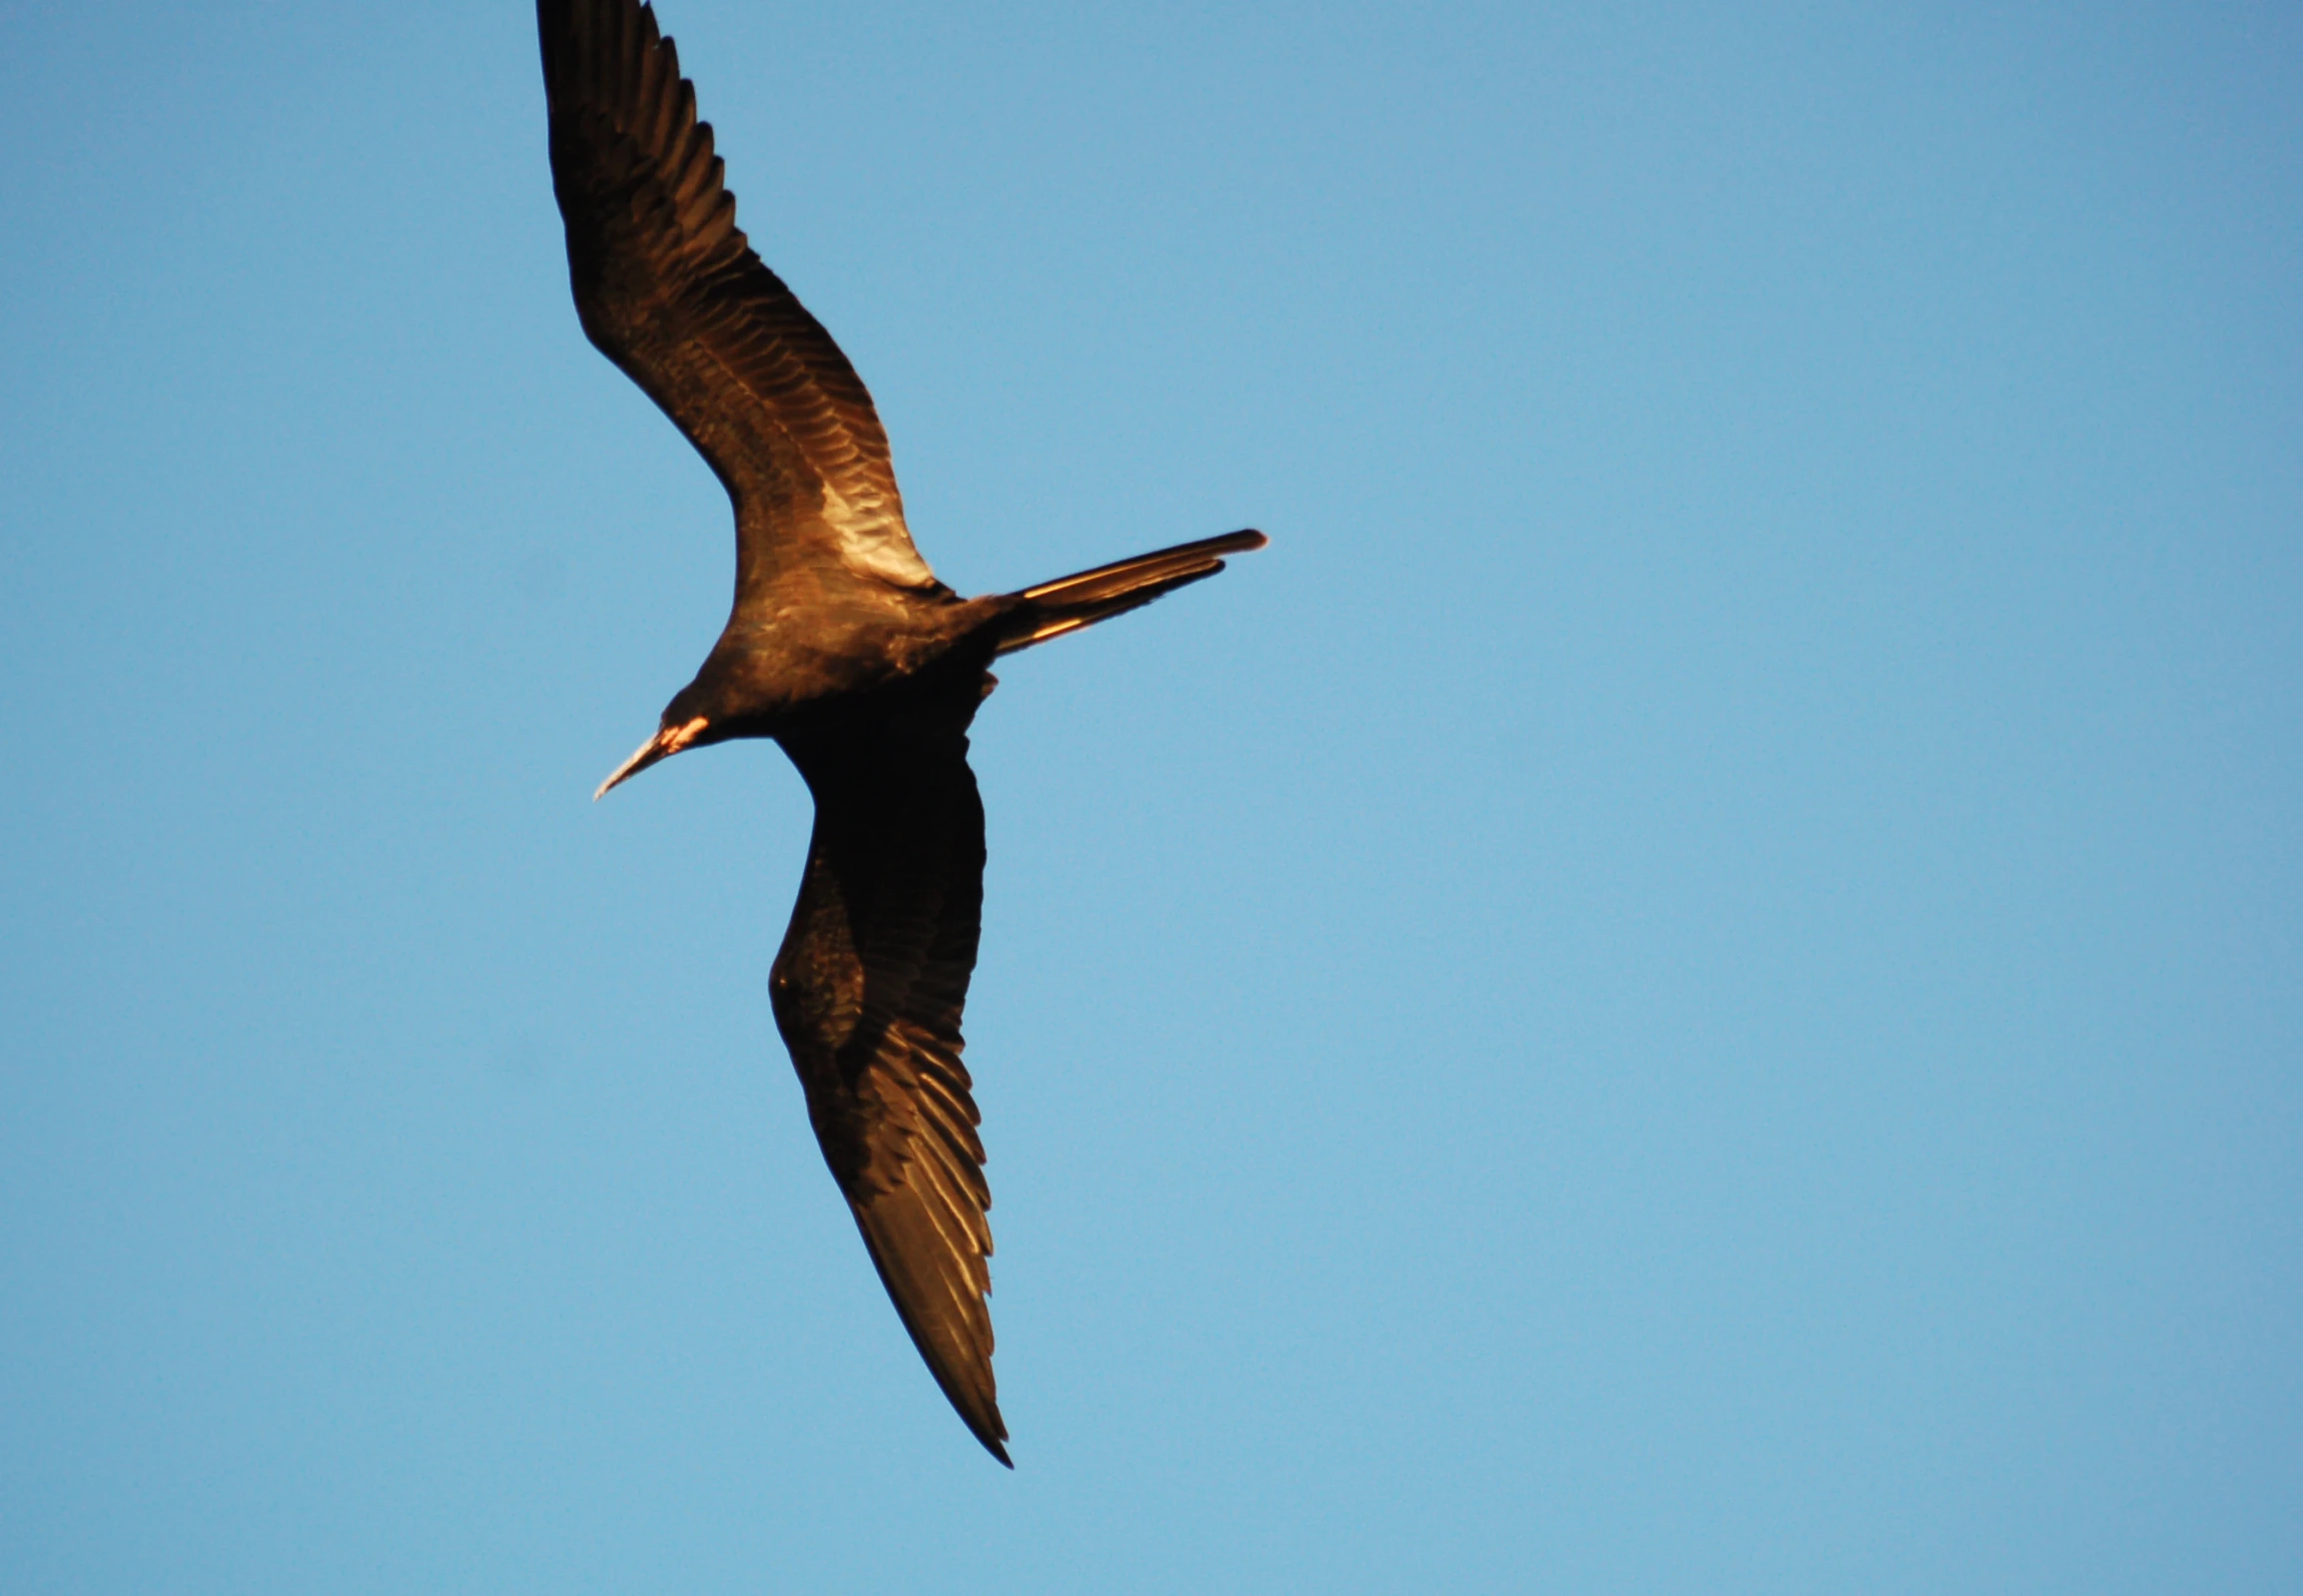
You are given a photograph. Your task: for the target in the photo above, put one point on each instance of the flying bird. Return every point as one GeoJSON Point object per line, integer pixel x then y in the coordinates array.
{"type": "Point", "coordinates": [841, 646]}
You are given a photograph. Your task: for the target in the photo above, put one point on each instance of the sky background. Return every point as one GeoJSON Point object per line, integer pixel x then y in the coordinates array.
{"type": "Point", "coordinates": [1694, 984]}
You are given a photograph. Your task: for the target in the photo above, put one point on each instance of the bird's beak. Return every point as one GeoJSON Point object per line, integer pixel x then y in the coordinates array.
{"type": "Point", "coordinates": [666, 742]}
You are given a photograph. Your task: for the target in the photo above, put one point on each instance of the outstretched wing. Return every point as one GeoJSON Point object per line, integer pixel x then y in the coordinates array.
{"type": "Point", "coordinates": [868, 990]}
{"type": "Point", "coordinates": [670, 291]}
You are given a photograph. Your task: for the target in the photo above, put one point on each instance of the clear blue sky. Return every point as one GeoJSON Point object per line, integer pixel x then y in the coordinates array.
{"type": "Point", "coordinates": [1695, 984]}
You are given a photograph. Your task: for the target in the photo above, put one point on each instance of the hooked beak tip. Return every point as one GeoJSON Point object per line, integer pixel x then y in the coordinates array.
{"type": "Point", "coordinates": [666, 742]}
{"type": "Point", "coordinates": [629, 767]}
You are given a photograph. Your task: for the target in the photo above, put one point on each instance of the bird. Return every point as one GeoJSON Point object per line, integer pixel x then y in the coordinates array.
{"type": "Point", "coordinates": [841, 646]}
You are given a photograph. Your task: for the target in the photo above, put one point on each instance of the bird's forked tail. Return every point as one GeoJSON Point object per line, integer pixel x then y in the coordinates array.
{"type": "Point", "coordinates": [1070, 602]}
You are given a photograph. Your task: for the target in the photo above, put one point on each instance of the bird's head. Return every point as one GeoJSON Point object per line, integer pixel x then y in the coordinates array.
{"type": "Point", "coordinates": [680, 728]}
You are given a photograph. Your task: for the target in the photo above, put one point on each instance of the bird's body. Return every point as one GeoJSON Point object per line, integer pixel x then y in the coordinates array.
{"type": "Point", "coordinates": [841, 646]}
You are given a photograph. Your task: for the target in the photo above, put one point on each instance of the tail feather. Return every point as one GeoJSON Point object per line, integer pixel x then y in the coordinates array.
{"type": "Point", "coordinates": [1070, 602]}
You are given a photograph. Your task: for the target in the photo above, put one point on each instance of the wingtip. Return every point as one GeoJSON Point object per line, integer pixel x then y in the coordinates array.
{"type": "Point", "coordinates": [989, 1428]}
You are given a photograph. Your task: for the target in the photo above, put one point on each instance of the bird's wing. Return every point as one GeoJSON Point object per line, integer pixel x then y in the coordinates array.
{"type": "Point", "coordinates": [868, 990]}
{"type": "Point", "coordinates": [670, 291]}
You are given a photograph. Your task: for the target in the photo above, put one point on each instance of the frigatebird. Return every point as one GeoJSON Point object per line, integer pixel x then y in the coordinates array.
{"type": "Point", "coordinates": [841, 646]}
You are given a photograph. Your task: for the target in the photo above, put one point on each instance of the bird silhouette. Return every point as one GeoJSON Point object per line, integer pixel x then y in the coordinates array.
{"type": "Point", "coordinates": [841, 646]}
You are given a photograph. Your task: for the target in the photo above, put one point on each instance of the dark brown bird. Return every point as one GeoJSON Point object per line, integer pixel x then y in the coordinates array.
{"type": "Point", "coordinates": [841, 646]}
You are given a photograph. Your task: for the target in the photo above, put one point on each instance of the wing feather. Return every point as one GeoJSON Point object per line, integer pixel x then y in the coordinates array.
{"type": "Point", "coordinates": [869, 987]}
{"type": "Point", "coordinates": [669, 289]}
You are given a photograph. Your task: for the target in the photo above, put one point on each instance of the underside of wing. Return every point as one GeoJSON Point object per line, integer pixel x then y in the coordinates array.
{"type": "Point", "coordinates": [670, 291]}
{"type": "Point", "coordinates": [868, 990]}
